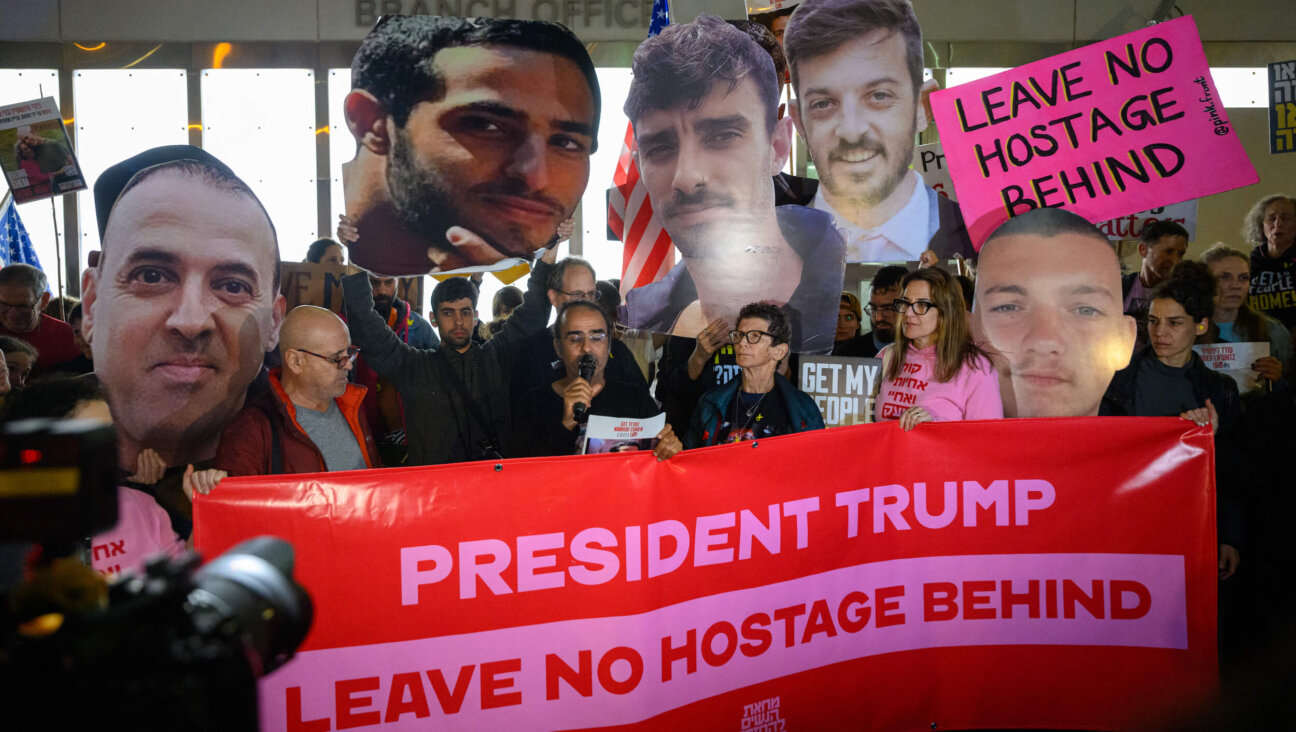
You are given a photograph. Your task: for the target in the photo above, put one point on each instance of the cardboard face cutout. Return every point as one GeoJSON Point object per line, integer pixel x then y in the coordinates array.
{"type": "Point", "coordinates": [859, 104]}
{"type": "Point", "coordinates": [1048, 309]}
{"type": "Point", "coordinates": [473, 141]}
{"type": "Point", "coordinates": [704, 108]}
{"type": "Point", "coordinates": [183, 304]}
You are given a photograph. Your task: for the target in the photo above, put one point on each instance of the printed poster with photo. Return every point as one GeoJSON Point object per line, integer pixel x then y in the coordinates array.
{"type": "Point", "coordinates": [35, 153]}
{"type": "Point", "coordinates": [1234, 360]}
{"type": "Point", "coordinates": [304, 283]}
{"type": "Point", "coordinates": [614, 434]}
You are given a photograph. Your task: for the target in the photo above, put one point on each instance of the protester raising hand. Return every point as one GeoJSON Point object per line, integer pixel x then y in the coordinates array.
{"type": "Point", "coordinates": [347, 233]}
{"type": "Point", "coordinates": [467, 245]}
{"type": "Point", "coordinates": [712, 337]}
{"type": "Point", "coordinates": [564, 232]}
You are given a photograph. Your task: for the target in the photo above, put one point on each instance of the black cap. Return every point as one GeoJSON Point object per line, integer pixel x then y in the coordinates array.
{"type": "Point", "coordinates": [115, 179]}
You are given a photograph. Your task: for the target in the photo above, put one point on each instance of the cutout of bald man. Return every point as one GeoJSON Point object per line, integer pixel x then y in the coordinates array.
{"type": "Point", "coordinates": [183, 304]}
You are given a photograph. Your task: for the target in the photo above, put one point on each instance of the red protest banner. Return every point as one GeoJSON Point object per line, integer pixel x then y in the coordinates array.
{"type": "Point", "coordinates": [1015, 573]}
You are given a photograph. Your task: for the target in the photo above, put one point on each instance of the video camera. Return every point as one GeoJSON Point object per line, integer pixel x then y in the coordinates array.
{"type": "Point", "coordinates": [171, 649]}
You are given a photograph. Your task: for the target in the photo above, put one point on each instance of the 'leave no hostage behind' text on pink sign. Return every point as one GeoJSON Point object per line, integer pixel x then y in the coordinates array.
{"type": "Point", "coordinates": [1106, 130]}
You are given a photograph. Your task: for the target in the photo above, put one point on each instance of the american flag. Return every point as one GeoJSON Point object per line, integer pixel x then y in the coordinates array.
{"type": "Point", "coordinates": [15, 244]}
{"type": "Point", "coordinates": [648, 253]}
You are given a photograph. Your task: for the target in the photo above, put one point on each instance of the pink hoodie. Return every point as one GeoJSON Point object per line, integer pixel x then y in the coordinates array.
{"type": "Point", "coordinates": [973, 393]}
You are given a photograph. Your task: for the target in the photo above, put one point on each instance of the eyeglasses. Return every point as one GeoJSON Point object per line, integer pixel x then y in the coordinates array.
{"type": "Point", "coordinates": [920, 307]}
{"type": "Point", "coordinates": [340, 362]}
{"type": "Point", "coordinates": [23, 309]}
{"type": "Point", "coordinates": [587, 295]}
{"type": "Point", "coordinates": [753, 336]}
{"type": "Point", "coordinates": [870, 309]}
{"type": "Point", "coordinates": [577, 339]}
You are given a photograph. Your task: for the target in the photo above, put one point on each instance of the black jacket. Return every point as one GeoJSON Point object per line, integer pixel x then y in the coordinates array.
{"type": "Point", "coordinates": [1206, 384]}
{"type": "Point", "coordinates": [537, 364]}
{"type": "Point", "coordinates": [437, 421]}
{"type": "Point", "coordinates": [1223, 394]}
{"type": "Point", "coordinates": [1127, 283]}
{"type": "Point", "coordinates": [1273, 284]}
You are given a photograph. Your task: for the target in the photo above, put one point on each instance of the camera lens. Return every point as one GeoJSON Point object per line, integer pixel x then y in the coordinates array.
{"type": "Point", "coordinates": [248, 593]}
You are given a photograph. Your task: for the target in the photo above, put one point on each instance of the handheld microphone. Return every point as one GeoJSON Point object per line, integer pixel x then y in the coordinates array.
{"type": "Point", "coordinates": [585, 370]}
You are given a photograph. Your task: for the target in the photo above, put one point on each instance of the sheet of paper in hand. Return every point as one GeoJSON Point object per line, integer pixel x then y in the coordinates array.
{"type": "Point", "coordinates": [614, 434]}
{"type": "Point", "coordinates": [1234, 360]}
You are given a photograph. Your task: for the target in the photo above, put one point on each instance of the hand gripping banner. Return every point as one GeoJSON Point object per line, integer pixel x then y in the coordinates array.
{"type": "Point", "coordinates": [1016, 573]}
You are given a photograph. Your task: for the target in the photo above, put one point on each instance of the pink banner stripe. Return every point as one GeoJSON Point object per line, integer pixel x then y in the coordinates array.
{"type": "Point", "coordinates": [1143, 604]}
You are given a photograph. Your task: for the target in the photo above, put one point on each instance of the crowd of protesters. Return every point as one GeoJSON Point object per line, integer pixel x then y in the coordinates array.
{"type": "Point", "coordinates": [184, 343]}
{"type": "Point", "coordinates": [518, 389]}
{"type": "Point", "coordinates": [191, 353]}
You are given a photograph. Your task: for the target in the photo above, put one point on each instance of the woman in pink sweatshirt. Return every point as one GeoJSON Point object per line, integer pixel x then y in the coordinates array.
{"type": "Point", "coordinates": [933, 371]}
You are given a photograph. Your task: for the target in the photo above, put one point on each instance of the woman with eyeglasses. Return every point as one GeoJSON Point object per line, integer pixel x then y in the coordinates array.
{"type": "Point", "coordinates": [934, 372]}
{"type": "Point", "coordinates": [848, 340]}
{"type": "Point", "coordinates": [760, 403]}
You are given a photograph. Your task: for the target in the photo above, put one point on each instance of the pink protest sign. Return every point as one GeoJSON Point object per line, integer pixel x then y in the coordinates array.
{"type": "Point", "coordinates": [1107, 130]}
